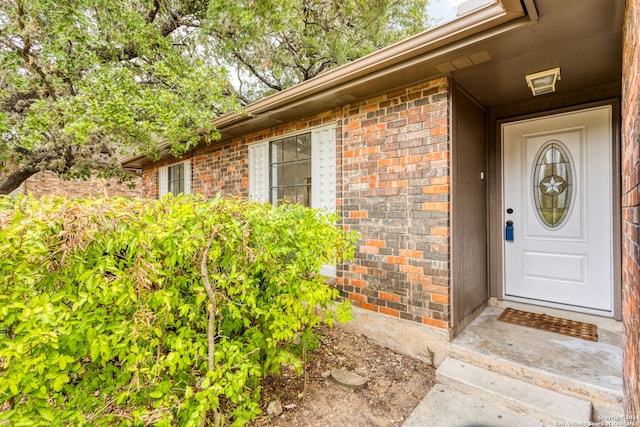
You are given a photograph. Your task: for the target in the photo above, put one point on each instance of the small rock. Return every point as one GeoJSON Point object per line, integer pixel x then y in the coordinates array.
{"type": "Point", "coordinates": [348, 379]}
{"type": "Point", "coordinates": [274, 408]}
{"type": "Point", "coordinates": [290, 406]}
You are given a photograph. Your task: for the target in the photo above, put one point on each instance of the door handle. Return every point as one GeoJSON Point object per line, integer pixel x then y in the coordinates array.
{"type": "Point", "coordinates": [508, 231]}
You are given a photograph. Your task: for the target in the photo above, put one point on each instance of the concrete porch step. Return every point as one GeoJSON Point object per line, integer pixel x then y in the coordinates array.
{"type": "Point", "coordinates": [583, 369]}
{"type": "Point", "coordinates": [447, 407]}
{"type": "Point", "coordinates": [544, 406]}
{"type": "Point", "coordinates": [604, 401]}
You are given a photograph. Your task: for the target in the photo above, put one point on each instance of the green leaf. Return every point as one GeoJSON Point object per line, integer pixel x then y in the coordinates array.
{"type": "Point", "coordinates": [206, 382]}
{"type": "Point", "coordinates": [60, 381]}
{"type": "Point", "coordinates": [188, 392]}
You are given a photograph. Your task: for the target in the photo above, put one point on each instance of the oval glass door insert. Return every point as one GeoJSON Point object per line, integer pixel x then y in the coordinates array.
{"type": "Point", "coordinates": [553, 184]}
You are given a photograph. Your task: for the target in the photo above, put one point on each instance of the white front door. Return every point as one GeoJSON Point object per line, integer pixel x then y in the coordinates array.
{"type": "Point", "coordinates": [558, 202]}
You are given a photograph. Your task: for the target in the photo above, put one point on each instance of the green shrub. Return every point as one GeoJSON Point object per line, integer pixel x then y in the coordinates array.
{"type": "Point", "coordinates": [109, 316]}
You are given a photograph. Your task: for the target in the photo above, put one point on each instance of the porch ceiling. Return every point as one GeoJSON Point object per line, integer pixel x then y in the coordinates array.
{"type": "Point", "coordinates": [582, 37]}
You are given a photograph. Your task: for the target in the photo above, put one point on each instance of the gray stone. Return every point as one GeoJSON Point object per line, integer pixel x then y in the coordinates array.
{"type": "Point", "coordinates": [348, 379]}
{"type": "Point", "coordinates": [274, 408]}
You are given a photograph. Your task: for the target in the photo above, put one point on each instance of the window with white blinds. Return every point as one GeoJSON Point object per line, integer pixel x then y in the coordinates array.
{"type": "Point", "coordinates": [300, 168]}
{"type": "Point", "coordinates": [175, 178]}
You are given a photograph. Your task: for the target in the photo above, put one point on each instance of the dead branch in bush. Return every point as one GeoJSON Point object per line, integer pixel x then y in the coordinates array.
{"type": "Point", "coordinates": [212, 308]}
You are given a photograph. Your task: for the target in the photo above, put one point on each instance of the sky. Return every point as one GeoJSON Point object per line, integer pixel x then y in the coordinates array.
{"type": "Point", "coordinates": [444, 10]}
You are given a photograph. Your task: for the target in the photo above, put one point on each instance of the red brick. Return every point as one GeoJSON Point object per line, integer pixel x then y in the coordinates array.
{"type": "Point", "coordinates": [410, 159]}
{"type": "Point", "coordinates": [435, 189]}
{"type": "Point", "coordinates": [376, 128]}
{"type": "Point", "coordinates": [378, 243]}
{"type": "Point", "coordinates": [435, 206]}
{"type": "Point", "coordinates": [435, 322]}
{"type": "Point", "coordinates": [442, 299]}
{"type": "Point", "coordinates": [439, 231]}
{"type": "Point", "coordinates": [440, 290]}
{"type": "Point", "coordinates": [426, 281]}
{"type": "Point", "coordinates": [358, 269]}
{"type": "Point", "coordinates": [351, 126]}
{"type": "Point", "coordinates": [438, 131]}
{"type": "Point", "coordinates": [368, 306]}
{"type": "Point", "coordinates": [397, 184]}
{"type": "Point", "coordinates": [357, 297]}
{"type": "Point", "coordinates": [438, 155]}
{"type": "Point", "coordinates": [389, 311]}
{"type": "Point", "coordinates": [396, 260]}
{"type": "Point", "coordinates": [358, 214]}
{"type": "Point", "coordinates": [358, 283]}
{"type": "Point", "coordinates": [411, 269]}
{"type": "Point", "coordinates": [389, 297]}
{"type": "Point", "coordinates": [368, 150]}
{"type": "Point", "coordinates": [411, 253]}
{"type": "Point", "coordinates": [439, 180]}
{"type": "Point", "coordinates": [387, 162]}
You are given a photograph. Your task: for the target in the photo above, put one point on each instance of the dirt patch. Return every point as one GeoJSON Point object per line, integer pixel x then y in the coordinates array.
{"type": "Point", "coordinates": [396, 385]}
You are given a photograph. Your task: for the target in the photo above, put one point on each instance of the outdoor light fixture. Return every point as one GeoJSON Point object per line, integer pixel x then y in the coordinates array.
{"type": "Point", "coordinates": [543, 81]}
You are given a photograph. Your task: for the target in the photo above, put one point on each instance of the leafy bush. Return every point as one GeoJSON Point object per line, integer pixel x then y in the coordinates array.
{"type": "Point", "coordinates": [142, 312]}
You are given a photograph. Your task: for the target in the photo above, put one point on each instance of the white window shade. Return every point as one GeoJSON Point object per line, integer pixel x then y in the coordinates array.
{"type": "Point", "coordinates": [323, 163]}
{"type": "Point", "coordinates": [323, 177]}
{"type": "Point", "coordinates": [259, 172]}
{"type": "Point", "coordinates": [163, 181]}
{"type": "Point", "coordinates": [187, 177]}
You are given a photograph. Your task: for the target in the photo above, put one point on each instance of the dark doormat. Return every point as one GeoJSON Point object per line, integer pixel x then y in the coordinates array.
{"type": "Point", "coordinates": [586, 331]}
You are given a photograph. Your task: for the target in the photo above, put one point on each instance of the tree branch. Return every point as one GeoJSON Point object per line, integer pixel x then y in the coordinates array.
{"type": "Point", "coordinates": [25, 51]}
{"type": "Point", "coordinates": [151, 16]}
{"type": "Point", "coordinates": [211, 336]}
{"type": "Point", "coordinates": [19, 102]}
{"type": "Point", "coordinates": [256, 73]}
{"type": "Point", "coordinates": [12, 180]}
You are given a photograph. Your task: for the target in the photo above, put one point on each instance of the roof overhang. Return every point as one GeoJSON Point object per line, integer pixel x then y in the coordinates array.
{"type": "Point", "coordinates": [488, 51]}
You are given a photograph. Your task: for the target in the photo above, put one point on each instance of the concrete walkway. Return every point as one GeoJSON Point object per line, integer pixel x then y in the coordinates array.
{"type": "Point", "coordinates": [499, 374]}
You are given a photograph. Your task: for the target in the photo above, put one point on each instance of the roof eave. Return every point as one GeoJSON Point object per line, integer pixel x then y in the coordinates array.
{"type": "Point", "coordinates": [475, 22]}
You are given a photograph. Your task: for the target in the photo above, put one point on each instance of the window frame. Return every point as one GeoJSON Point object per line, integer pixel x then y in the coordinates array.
{"type": "Point", "coordinates": [285, 163]}
{"type": "Point", "coordinates": [323, 167]}
{"type": "Point", "coordinates": [163, 178]}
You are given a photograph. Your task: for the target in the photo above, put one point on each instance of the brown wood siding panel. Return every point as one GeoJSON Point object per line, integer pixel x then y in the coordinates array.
{"type": "Point", "coordinates": [469, 205]}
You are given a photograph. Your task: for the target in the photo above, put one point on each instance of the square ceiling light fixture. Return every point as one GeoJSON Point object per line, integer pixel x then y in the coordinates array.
{"type": "Point", "coordinates": [543, 81]}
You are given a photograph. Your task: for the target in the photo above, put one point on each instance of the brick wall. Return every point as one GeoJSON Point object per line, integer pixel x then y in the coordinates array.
{"type": "Point", "coordinates": [48, 183]}
{"type": "Point", "coordinates": [395, 193]}
{"type": "Point", "coordinates": [223, 167]}
{"type": "Point", "coordinates": [393, 188]}
{"type": "Point", "coordinates": [631, 206]}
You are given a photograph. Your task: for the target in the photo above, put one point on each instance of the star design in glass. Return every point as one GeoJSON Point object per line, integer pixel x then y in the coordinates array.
{"type": "Point", "coordinates": [553, 185]}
